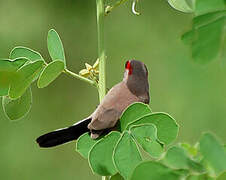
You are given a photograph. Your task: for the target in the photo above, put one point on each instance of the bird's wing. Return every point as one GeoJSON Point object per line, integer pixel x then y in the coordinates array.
{"type": "Point", "coordinates": [109, 111]}
{"type": "Point", "coordinates": [105, 120]}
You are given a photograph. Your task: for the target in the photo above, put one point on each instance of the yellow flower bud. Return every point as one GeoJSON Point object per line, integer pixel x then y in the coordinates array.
{"type": "Point", "coordinates": [88, 67]}
{"type": "Point", "coordinates": [84, 73]}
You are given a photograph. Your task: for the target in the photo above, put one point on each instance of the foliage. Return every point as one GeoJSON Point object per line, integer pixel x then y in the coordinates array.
{"type": "Point", "coordinates": [16, 109]}
{"type": "Point", "coordinates": [25, 67]}
{"type": "Point", "coordinates": [206, 37]}
{"type": "Point", "coordinates": [122, 152]}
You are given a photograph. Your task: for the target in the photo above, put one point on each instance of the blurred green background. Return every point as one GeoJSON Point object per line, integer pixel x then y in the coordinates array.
{"type": "Point", "coordinates": [194, 95]}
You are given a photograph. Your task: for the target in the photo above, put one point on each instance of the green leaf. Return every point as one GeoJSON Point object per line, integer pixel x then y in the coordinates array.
{"type": "Point", "coordinates": [206, 19]}
{"type": "Point", "coordinates": [100, 156]}
{"type": "Point", "coordinates": [55, 46]}
{"type": "Point", "coordinates": [205, 47]}
{"type": "Point", "coordinates": [151, 170]}
{"type": "Point", "coordinates": [25, 52]}
{"type": "Point", "coordinates": [16, 109]}
{"type": "Point", "coordinates": [84, 144]}
{"type": "Point", "coordinates": [191, 150]}
{"type": "Point", "coordinates": [24, 78]}
{"type": "Point", "coordinates": [210, 19]}
{"type": "Point", "coordinates": [50, 73]}
{"type": "Point", "coordinates": [205, 6]}
{"type": "Point", "coordinates": [117, 177]}
{"type": "Point", "coordinates": [180, 5]}
{"type": "Point", "coordinates": [167, 128]}
{"type": "Point", "coordinates": [213, 152]}
{"type": "Point", "coordinates": [177, 158]}
{"type": "Point", "coordinates": [200, 177]}
{"type": "Point", "coordinates": [222, 176]}
{"type": "Point", "coordinates": [188, 37]}
{"type": "Point", "coordinates": [126, 155]}
{"type": "Point", "coordinates": [191, 4]}
{"type": "Point", "coordinates": [8, 70]}
{"type": "Point", "coordinates": [132, 113]}
{"type": "Point", "coordinates": [182, 173]}
{"type": "Point", "coordinates": [146, 136]}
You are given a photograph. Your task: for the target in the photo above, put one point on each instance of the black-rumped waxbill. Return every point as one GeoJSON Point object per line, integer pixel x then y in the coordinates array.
{"type": "Point", "coordinates": [133, 88]}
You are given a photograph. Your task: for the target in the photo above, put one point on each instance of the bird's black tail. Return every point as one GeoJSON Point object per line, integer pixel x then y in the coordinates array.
{"type": "Point", "coordinates": [62, 136]}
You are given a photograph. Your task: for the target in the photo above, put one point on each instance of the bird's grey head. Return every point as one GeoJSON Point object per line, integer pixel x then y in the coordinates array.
{"type": "Point", "coordinates": [136, 77]}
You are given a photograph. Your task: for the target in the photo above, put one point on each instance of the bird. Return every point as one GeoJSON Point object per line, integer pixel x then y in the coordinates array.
{"type": "Point", "coordinates": [133, 88]}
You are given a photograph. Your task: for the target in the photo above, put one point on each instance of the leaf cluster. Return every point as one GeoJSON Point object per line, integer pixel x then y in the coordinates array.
{"type": "Point", "coordinates": [206, 38]}
{"type": "Point", "coordinates": [24, 67]}
{"type": "Point", "coordinates": [143, 135]}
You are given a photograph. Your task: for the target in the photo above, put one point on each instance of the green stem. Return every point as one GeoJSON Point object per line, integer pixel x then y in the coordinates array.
{"type": "Point", "coordinates": [72, 74]}
{"type": "Point", "coordinates": [101, 51]}
{"type": "Point", "coordinates": [101, 54]}
{"type": "Point", "coordinates": [105, 178]}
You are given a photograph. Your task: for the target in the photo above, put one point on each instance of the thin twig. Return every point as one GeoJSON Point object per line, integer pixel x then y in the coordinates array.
{"type": "Point", "coordinates": [101, 51]}
{"type": "Point", "coordinates": [110, 8]}
{"type": "Point", "coordinates": [72, 74]}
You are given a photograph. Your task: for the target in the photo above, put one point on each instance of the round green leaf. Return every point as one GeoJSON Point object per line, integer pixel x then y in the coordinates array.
{"type": "Point", "coordinates": [177, 158]}
{"type": "Point", "coordinates": [154, 170]}
{"type": "Point", "coordinates": [146, 136]}
{"type": "Point", "coordinates": [206, 19]}
{"type": "Point", "coordinates": [132, 113]}
{"type": "Point", "coordinates": [25, 52]}
{"type": "Point", "coordinates": [55, 46]}
{"type": "Point", "coordinates": [200, 177]}
{"type": "Point", "coordinates": [50, 73]}
{"type": "Point", "coordinates": [205, 48]}
{"type": "Point", "coordinates": [100, 156]}
{"type": "Point", "coordinates": [16, 109]}
{"type": "Point", "coordinates": [4, 85]}
{"type": "Point", "coordinates": [25, 76]}
{"type": "Point", "coordinates": [8, 70]}
{"type": "Point", "coordinates": [191, 150]}
{"type": "Point", "coordinates": [222, 176]}
{"type": "Point", "coordinates": [213, 152]}
{"type": "Point", "coordinates": [117, 177]}
{"type": "Point", "coordinates": [167, 128]}
{"type": "Point", "coordinates": [207, 6]}
{"type": "Point", "coordinates": [84, 144]}
{"type": "Point", "coordinates": [188, 37]}
{"type": "Point", "coordinates": [180, 5]}
{"type": "Point", "coordinates": [126, 155]}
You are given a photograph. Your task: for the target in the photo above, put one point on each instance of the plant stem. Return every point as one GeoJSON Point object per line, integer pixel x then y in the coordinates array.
{"type": "Point", "coordinates": [72, 74]}
{"type": "Point", "coordinates": [101, 54]}
{"type": "Point", "coordinates": [101, 51]}
{"type": "Point", "coordinates": [105, 178]}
